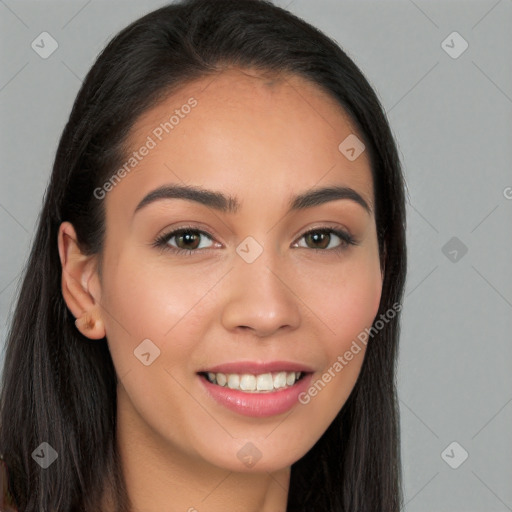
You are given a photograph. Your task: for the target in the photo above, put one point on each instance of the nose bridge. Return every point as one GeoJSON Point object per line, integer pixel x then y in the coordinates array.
{"type": "Point", "coordinates": [259, 297]}
{"type": "Point", "coordinates": [256, 266]}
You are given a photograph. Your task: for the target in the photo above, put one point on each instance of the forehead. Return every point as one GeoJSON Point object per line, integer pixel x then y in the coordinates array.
{"type": "Point", "coordinates": [247, 133]}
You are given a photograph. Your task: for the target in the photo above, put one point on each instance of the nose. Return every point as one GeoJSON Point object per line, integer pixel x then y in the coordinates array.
{"type": "Point", "coordinates": [260, 297]}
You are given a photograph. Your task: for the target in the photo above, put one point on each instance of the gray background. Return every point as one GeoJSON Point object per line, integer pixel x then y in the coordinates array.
{"type": "Point", "coordinates": [452, 119]}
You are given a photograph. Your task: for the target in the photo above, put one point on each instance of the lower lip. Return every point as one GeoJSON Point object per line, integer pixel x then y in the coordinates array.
{"type": "Point", "coordinates": [259, 405]}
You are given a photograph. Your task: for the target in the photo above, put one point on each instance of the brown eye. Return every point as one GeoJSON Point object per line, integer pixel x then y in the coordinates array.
{"type": "Point", "coordinates": [318, 237]}
{"type": "Point", "coordinates": [190, 239]}
{"type": "Point", "coordinates": [322, 238]}
{"type": "Point", "coordinates": [187, 240]}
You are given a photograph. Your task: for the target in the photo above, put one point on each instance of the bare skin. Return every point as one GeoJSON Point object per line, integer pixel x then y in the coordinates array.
{"type": "Point", "coordinates": [301, 300]}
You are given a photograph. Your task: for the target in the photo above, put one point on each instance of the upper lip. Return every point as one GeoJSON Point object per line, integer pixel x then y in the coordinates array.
{"type": "Point", "coordinates": [258, 368]}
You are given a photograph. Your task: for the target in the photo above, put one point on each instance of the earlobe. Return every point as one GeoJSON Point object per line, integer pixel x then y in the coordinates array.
{"type": "Point", "coordinates": [90, 326]}
{"type": "Point", "coordinates": [77, 270]}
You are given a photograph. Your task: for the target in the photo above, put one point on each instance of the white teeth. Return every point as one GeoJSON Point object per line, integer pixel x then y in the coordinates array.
{"type": "Point", "coordinates": [280, 380]}
{"type": "Point", "coordinates": [290, 378]}
{"type": "Point", "coordinates": [255, 383]}
{"type": "Point", "coordinates": [248, 382]}
{"type": "Point", "coordinates": [264, 382]}
{"type": "Point", "coordinates": [233, 381]}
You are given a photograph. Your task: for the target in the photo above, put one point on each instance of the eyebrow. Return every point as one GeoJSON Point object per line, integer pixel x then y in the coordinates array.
{"type": "Point", "coordinates": [230, 204]}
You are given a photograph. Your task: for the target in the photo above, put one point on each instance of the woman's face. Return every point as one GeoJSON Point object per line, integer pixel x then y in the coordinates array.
{"type": "Point", "coordinates": [256, 295]}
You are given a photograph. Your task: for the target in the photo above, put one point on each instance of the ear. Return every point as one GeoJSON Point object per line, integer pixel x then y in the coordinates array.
{"type": "Point", "coordinates": [80, 284]}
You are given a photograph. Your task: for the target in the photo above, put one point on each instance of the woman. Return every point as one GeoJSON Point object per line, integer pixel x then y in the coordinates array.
{"type": "Point", "coordinates": [253, 370]}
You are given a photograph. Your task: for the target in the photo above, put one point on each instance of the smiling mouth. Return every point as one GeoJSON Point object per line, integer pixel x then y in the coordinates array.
{"type": "Point", "coordinates": [269, 382]}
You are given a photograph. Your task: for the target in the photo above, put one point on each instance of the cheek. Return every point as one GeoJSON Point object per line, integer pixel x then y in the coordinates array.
{"type": "Point", "coordinates": [142, 303]}
{"type": "Point", "coordinates": [354, 292]}
{"type": "Point", "coordinates": [149, 294]}
{"type": "Point", "coordinates": [151, 299]}
{"type": "Point", "coordinates": [346, 299]}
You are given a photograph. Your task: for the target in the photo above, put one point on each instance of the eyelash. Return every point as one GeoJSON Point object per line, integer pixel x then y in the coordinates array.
{"type": "Point", "coordinates": [162, 241]}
